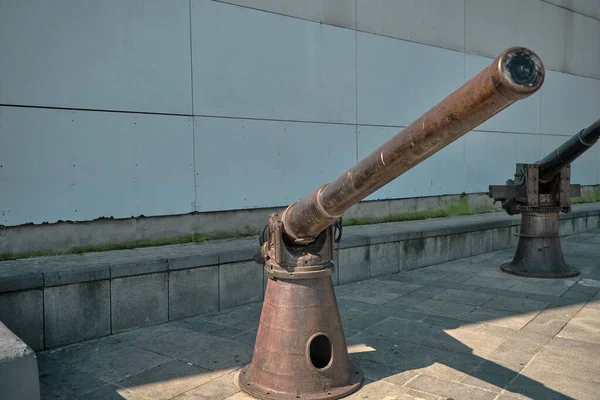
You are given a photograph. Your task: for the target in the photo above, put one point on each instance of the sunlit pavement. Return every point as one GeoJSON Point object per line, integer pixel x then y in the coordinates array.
{"type": "Point", "coordinates": [460, 330]}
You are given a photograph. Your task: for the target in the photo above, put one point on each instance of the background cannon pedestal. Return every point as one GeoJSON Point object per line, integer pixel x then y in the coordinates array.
{"type": "Point", "coordinates": [539, 253]}
{"type": "Point", "coordinates": [539, 192]}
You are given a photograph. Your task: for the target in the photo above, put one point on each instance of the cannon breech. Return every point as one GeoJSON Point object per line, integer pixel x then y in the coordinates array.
{"type": "Point", "coordinates": [546, 183]}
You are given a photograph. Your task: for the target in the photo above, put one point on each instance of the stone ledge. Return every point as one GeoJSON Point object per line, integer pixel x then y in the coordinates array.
{"type": "Point", "coordinates": [365, 235]}
{"type": "Point", "coordinates": [11, 281]}
{"type": "Point", "coordinates": [399, 231]}
{"type": "Point", "coordinates": [18, 368]}
{"type": "Point", "coordinates": [44, 300]}
{"type": "Point", "coordinates": [42, 272]}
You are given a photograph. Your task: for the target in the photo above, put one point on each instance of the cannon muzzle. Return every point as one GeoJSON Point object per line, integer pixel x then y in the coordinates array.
{"type": "Point", "coordinates": [515, 74]}
{"type": "Point", "coordinates": [567, 152]}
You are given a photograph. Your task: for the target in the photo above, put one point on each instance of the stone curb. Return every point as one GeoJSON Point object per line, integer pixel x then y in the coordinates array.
{"type": "Point", "coordinates": [62, 270]}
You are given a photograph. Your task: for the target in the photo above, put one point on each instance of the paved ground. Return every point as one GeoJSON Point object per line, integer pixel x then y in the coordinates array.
{"type": "Point", "coordinates": [459, 330]}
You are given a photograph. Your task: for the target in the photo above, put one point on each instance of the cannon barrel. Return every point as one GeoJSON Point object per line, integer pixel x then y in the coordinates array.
{"type": "Point", "coordinates": [515, 74]}
{"type": "Point", "coordinates": [567, 152]}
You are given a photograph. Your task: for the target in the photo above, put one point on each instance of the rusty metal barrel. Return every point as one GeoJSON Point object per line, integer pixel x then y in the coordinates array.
{"type": "Point", "coordinates": [515, 74]}
{"type": "Point", "coordinates": [568, 152]}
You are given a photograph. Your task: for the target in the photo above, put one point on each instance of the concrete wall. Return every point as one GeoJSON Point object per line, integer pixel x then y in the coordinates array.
{"type": "Point", "coordinates": [119, 109]}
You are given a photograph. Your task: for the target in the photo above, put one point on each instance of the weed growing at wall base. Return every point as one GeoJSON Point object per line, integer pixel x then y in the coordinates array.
{"type": "Point", "coordinates": [448, 209]}
{"type": "Point", "coordinates": [453, 209]}
{"type": "Point", "coordinates": [136, 244]}
{"type": "Point", "coordinates": [589, 196]}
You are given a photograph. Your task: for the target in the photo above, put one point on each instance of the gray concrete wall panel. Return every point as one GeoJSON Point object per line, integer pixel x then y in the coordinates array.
{"type": "Point", "coordinates": [271, 164]}
{"type": "Point", "coordinates": [398, 80]}
{"type": "Point", "coordinates": [570, 41]}
{"type": "Point", "coordinates": [439, 23]}
{"type": "Point", "coordinates": [80, 165]}
{"type": "Point", "coordinates": [111, 54]}
{"type": "Point", "coordinates": [569, 103]}
{"type": "Point", "coordinates": [330, 12]}
{"type": "Point", "coordinates": [492, 26]}
{"type": "Point", "coordinates": [279, 68]}
{"type": "Point", "coordinates": [591, 8]}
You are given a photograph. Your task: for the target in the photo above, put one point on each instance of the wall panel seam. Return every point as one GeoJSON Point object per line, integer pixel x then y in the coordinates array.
{"type": "Point", "coordinates": [271, 120]}
{"type": "Point", "coordinates": [195, 206]}
{"type": "Point", "coordinates": [568, 9]}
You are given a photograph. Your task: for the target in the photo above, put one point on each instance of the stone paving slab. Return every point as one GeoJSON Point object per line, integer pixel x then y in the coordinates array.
{"type": "Point", "coordinates": [460, 330]}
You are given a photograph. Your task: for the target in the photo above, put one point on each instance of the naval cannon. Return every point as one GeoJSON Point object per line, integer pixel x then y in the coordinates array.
{"type": "Point", "coordinates": [300, 350]}
{"type": "Point", "coordinates": [540, 191]}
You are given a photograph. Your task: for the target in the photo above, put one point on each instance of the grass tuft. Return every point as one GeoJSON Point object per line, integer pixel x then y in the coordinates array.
{"type": "Point", "coordinates": [453, 209]}
{"type": "Point", "coordinates": [589, 196]}
{"type": "Point", "coordinates": [136, 244]}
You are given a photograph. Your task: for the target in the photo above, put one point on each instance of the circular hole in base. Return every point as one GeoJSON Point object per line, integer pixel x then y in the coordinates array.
{"type": "Point", "coordinates": [320, 351]}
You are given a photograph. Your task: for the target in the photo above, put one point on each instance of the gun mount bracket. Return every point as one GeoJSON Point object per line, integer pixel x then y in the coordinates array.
{"type": "Point", "coordinates": [550, 209]}
{"type": "Point", "coordinates": [527, 193]}
{"type": "Point", "coordinates": [296, 261]}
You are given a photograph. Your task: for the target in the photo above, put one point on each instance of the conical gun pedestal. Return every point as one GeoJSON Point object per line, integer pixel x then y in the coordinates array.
{"type": "Point", "coordinates": [539, 253]}
{"type": "Point", "coordinates": [300, 350]}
